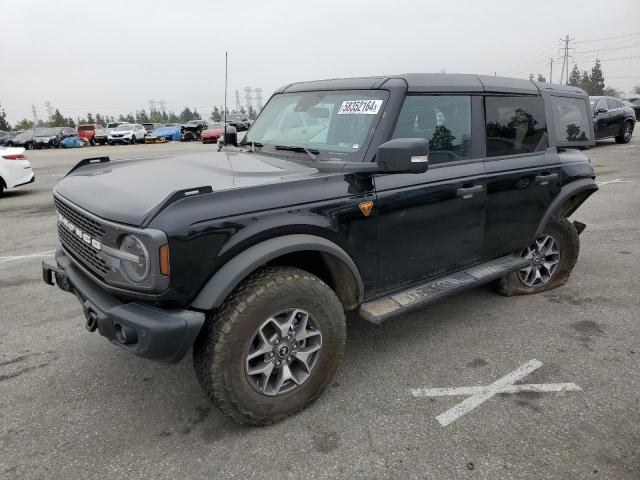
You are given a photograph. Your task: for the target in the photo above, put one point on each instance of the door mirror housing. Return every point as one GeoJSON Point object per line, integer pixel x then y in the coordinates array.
{"type": "Point", "coordinates": [403, 155]}
{"type": "Point", "coordinates": [601, 110]}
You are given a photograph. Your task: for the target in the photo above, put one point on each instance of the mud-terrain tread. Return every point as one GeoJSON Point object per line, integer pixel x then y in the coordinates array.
{"type": "Point", "coordinates": [208, 351]}
{"type": "Point", "coordinates": [510, 285]}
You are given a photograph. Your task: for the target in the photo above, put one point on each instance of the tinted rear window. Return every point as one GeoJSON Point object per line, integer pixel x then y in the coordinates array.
{"type": "Point", "coordinates": [515, 125]}
{"type": "Point", "coordinates": [570, 119]}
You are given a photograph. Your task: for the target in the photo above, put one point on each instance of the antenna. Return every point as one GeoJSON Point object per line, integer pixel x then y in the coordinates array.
{"type": "Point", "coordinates": [226, 63]}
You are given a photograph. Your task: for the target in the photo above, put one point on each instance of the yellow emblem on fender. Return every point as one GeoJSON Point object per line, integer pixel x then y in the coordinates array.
{"type": "Point", "coordinates": [365, 207]}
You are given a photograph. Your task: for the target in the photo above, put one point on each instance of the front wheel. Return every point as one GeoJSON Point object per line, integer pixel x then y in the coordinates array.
{"type": "Point", "coordinates": [551, 259]}
{"type": "Point", "coordinates": [273, 346]}
{"type": "Point", "coordinates": [625, 133]}
{"type": "Point", "coordinates": [133, 140]}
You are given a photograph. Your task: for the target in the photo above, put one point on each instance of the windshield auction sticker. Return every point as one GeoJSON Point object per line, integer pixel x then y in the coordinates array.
{"type": "Point", "coordinates": [360, 107]}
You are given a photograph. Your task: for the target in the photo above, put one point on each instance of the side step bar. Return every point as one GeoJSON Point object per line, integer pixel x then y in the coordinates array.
{"type": "Point", "coordinates": [382, 309]}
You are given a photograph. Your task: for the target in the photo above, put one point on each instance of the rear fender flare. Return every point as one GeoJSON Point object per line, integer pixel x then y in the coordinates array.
{"type": "Point", "coordinates": [562, 204]}
{"type": "Point", "coordinates": [227, 278]}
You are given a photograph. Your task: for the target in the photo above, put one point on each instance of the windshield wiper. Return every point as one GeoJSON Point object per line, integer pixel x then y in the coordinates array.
{"type": "Point", "coordinates": [312, 152]}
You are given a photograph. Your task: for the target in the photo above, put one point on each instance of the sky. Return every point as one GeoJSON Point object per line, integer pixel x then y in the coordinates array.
{"type": "Point", "coordinates": [113, 56]}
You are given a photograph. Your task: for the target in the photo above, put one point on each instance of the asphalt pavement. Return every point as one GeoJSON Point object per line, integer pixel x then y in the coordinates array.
{"type": "Point", "coordinates": [74, 406]}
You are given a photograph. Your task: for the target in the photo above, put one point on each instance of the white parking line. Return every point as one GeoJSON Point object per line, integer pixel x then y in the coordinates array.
{"type": "Point", "coordinates": [617, 180]}
{"type": "Point", "coordinates": [24, 257]}
{"type": "Point", "coordinates": [479, 395]}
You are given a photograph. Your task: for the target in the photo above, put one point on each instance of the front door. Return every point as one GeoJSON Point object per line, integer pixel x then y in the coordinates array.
{"type": "Point", "coordinates": [523, 174]}
{"type": "Point", "coordinates": [432, 223]}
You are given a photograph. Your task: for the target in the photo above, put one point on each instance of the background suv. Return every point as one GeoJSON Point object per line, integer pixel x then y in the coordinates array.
{"type": "Point", "coordinates": [127, 133]}
{"type": "Point", "coordinates": [611, 118]}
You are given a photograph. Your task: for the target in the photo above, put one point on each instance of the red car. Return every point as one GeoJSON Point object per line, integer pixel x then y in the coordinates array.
{"type": "Point", "coordinates": [212, 132]}
{"type": "Point", "coordinates": [88, 131]}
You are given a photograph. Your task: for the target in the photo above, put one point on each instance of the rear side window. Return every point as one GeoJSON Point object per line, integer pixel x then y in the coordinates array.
{"type": "Point", "coordinates": [515, 125]}
{"type": "Point", "coordinates": [612, 103]}
{"type": "Point", "coordinates": [570, 119]}
{"type": "Point", "coordinates": [443, 120]}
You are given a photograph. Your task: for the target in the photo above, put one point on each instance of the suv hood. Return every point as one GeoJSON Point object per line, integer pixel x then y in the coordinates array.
{"type": "Point", "coordinates": [129, 191]}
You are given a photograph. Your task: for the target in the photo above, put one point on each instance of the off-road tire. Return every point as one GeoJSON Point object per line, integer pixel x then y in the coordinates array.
{"type": "Point", "coordinates": [625, 137]}
{"type": "Point", "coordinates": [563, 231]}
{"type": "Point", "coordinates": [219, 350]}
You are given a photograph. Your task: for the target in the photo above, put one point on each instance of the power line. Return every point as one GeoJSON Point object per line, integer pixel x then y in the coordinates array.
{"type": "Point", "coordinates": [611, 48]}
{"type": "Point", "coordinates": [608, 38]}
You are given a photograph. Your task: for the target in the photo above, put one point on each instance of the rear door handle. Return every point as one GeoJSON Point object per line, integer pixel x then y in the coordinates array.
{"type": "Point", "coordinates": [545, 178]}
{"type": "Point", "coordinates": [467, 192]}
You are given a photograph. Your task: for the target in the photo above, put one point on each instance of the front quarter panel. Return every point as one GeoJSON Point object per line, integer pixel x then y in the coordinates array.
{"type": "Point", "coordinates": [206, 231]}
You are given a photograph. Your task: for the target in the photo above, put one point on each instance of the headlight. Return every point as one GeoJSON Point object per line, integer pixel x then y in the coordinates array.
{"type": "Point", "coordinates": [138, 270]}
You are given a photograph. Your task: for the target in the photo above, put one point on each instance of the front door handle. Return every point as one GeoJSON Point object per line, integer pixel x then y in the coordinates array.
{"type": "Point", "coordinates": [545, 178]}
{"type": "Point", "coordinates": [467, 192]}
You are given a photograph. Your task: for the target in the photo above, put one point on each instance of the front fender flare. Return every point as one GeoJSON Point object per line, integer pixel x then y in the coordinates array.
{"type": "Point", "coordinates": [584, 187]}
{"type": "Point", "coordinates": [222, 283]}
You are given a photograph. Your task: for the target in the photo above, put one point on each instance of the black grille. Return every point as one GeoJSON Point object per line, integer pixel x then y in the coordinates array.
{"type": "Point", "coordinates": [84, 253]}
{"type": "Point", "coordinates": [85, 224]}
{"type": "Point", "coordinates": [78, 248]}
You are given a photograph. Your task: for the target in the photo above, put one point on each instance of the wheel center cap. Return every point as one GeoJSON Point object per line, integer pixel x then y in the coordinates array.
{"type": "Point", "coordinates": [283, 351]}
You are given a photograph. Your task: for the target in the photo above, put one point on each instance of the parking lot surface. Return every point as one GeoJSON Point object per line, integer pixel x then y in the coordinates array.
{"type": "Point", "coordinates": [74, 406]}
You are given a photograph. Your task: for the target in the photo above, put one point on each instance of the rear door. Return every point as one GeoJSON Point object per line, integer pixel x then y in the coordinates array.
{"type": "Point", "coordinates": [433, 223]}
{"type": "Point", "coordinates": [523, 174]}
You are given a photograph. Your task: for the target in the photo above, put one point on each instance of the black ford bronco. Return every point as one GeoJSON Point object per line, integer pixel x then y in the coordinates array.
{"type": "Point", "coordinates": [375, 195]}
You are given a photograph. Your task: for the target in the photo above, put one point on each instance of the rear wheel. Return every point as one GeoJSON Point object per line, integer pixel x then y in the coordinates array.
{"type": "Point", "coordinates": [29, 146]}
{"type": "Point", "coordinates": [551, 259]}
{"type": "Point", "coordinates": [92, 142]}
{"type": "Point", "coordinates": [271, 349]}
{"type": "Point", "coordinates": [626, 132]}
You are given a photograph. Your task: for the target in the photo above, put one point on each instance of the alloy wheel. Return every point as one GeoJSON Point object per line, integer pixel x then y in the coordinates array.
{"type": "Point", "coordinates": [628, 130]}
{"type": "Point", "coordinates": [543, 257]}
{"type": "Point", "coordinates": [283, 352]}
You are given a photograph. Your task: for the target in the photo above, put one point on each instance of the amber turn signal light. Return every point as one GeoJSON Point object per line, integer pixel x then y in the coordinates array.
{"type": "Point", "coordinates": [164, 260]}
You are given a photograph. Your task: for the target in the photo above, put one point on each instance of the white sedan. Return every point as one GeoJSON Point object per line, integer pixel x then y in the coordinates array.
{"type": "Point", "coordinates": [15, 169]}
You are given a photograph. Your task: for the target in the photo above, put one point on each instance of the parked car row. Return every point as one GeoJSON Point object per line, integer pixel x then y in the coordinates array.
{"type": "Point", "coordinates": [38, 138]}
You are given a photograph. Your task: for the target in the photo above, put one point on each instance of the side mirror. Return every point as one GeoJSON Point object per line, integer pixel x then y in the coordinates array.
{"type": "Point", "coordinates": [403, 155]}
{"type": "Point", "coordinates": [601, 110]}
{"type": "Point", "coordinates": [231, 136]}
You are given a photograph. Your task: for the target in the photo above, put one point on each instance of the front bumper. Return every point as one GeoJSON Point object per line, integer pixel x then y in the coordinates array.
{"type": "Point", "coordinates": [143, 329]}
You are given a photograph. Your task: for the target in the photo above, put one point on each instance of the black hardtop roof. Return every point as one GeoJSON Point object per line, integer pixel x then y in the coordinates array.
{"type": "Point", "coordinates": [435, 82]}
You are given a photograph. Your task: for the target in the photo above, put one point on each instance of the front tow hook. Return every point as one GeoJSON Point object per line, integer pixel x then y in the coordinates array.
{"type": "Point", "coordinates": [92, 320]}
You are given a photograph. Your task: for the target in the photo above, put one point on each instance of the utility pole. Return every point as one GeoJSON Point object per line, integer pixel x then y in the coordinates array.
{"type": "Point", "coordinates": [35, 121]}
{"type": "Point", "coordinates": [551, 70]}
{"type": "Point", "coordinates": [565, 60]}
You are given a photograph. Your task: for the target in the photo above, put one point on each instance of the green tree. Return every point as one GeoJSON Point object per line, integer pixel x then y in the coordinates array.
{"type": "Point", "coordinates": [141, 116]}
{"type": "Point", "coordinates": [575, 79]}
{"type": "Point", "coordinates": [216, 114]}
{"type": "Point", "coordinates": [24, 124]}
{"type": "Point", "coordinates": [196, 115]}
{"type": "Point", "coordinates": [585, 82]}
{"type": "Point", "coordinates": [252, 113]}
{"type": "Point", "coordinates": [186, 115]}
{"type": "Point", "coordinates": [4, 125]}
{"type": "Point", "coordinates": [541, 78]}
{"type": "Point", "coordinates": [57, 120]}
{"type": "Point", "coordinates": [610, 92]}
{"type": "Point", "coordinates": [597, 79]}
{"type": "Point", "coordinates": [636, 89]}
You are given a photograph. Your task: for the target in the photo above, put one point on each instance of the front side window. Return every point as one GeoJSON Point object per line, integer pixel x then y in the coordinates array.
{"type": "Point", "coordinates": [570, 119]}
{"type": "Point", "coordinates": [332, 124]}
{"type": "Point", "coordinates": [443, 120]}
{"type": "Point", "coordinates": [515, 125]}
{"type": "Point", "coordinates": [612, 103]}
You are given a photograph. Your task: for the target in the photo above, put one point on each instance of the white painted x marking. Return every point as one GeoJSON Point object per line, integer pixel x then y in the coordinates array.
{"type": "Point", "coordinates": [617, 180]}
{"type": "Point", "coordinates": [479, 395]}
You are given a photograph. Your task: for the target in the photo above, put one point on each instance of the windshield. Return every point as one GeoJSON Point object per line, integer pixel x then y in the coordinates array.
{"type": "Point", "coordinates": [86, 128]}
{"type": "Point", "coordinates": [216, 125]}
{"type": "Point", "coordinates": [112, 125]}
{"type": "Point", "coordinates": [335, 124]}
{"type": "Point", "coordinates": [124, 127]}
